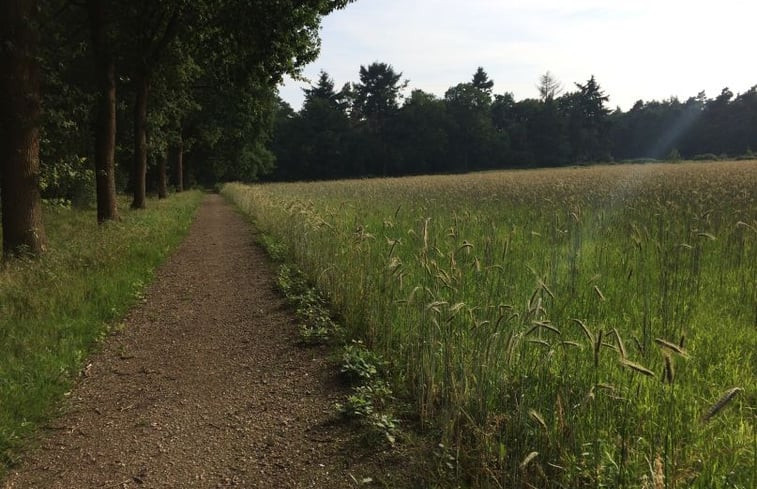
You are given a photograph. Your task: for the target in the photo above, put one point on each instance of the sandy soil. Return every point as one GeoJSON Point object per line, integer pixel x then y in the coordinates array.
{"type": "Point", "coordinates": [204, 386]}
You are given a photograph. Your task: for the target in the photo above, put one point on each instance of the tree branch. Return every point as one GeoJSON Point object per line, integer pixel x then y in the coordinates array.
{"type": "Point", "coordinates": [168, 35]}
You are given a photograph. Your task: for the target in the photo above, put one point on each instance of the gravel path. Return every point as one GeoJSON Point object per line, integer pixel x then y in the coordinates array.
{"type": "Point", "coordinates": [203, 387]}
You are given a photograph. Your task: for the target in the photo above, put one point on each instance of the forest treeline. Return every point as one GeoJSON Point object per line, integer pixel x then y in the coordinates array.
{"type": "Point", "coordinates": [97, 92]}
{"type": "Point", "coordinates": [367, 129]}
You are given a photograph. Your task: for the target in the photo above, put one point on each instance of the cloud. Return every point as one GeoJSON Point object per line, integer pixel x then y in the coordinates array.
{"type": "Point", "coordinates": [645, 49]}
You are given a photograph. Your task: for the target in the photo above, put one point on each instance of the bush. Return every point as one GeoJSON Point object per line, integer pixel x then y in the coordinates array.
{"type": "Point", "coordinates": [68, 182]}
{"type": "Point", "coordinates": [748, 155]}
{"type": "Point", "coordinates": [640, 160]}
{"type": "Point", "coordinates": [359, 363]}
{"type": "Point", "coordinates": [674, 155]}
{"type": "Point", "coordinates": [706, 157]}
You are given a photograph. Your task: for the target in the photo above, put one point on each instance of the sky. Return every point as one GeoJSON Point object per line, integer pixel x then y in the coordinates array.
{"type": "Point", "coordinates": [636, 49]}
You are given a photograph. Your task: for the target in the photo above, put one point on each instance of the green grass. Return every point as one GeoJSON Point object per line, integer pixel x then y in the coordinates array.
{"type": "Point", "coordinates": [54, 310]}
{"type": "Point", "coordinates": [592, 315]}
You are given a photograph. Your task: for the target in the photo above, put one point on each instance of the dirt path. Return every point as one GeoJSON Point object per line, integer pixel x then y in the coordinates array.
{"type": "Point", "coordinates": [204, 387]}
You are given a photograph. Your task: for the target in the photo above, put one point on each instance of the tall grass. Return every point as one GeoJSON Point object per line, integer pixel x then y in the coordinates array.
{"type": "Point", "coordinates": [555, 328]}
{"type": "Point", "coordinates": [54, 310]}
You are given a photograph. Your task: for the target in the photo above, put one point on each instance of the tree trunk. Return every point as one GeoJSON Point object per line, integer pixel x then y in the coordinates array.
{"type": "Point", "coordinates": [162, 178]}
{"type": "Point", "coordinates": [23, 230]}
{"type": "Point", "coordinates": [142, 86]}
{"type": "Point", "coordinates": [179, 165]}
{"type": "Point", "coordinates": [105, 121]}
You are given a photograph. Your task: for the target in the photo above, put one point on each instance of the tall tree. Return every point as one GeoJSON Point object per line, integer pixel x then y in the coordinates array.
{"type": "Point", "coordinates": [324, 90]}
{"type": "Point", "coordinates": [588, 122]}
{"type": "Point", "coordinates": [717, 123]}
{"type": "Point", "coordinates": [377, 98]}
{"type": "Point", "coordinates": [481, 81]}
{"type": "Point", "coordinates": [105, 121]}
{"type": "Point", "coordinates": [549, 87]}
{"type": "Point", "coordinates": [174, 99]}
{"type": "Point", "coordinates": [653, 129]}
{"type": "Point", "coordinates": [419, 132]}
{"type": "Point", "coordinates": [19, 128]}
{"type": "Point", "coordinates": [474, 141]}
{"type": "Point", "coordinates": [248, 48]}
{"type": "Point", "coordinates": [378, 93]}
{"type": "Point", "coordinates": [744, 121]}
{"type": "Point", "coordinates": [153, 26]}
{"type": "Point", "coordinates": [323, 125]}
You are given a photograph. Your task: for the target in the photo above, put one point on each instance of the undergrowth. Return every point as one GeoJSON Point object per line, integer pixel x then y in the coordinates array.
{"type": "Point", "coordinates": [370, 401]}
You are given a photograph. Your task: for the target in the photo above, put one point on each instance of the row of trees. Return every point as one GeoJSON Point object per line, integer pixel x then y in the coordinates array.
{"type": "Point", "coordinates": [104, 81]}
{"type": "Point", "coordinates": [366, 128]}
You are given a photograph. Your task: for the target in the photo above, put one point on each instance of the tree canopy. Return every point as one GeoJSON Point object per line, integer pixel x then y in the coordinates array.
{"type": "Point", "coordinates": [117, 82]}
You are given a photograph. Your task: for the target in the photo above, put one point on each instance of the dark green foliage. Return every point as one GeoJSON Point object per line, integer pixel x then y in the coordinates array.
{"type": "Point", "coordinates": [420, 135]}
{"type": "Point", "coordinates": [377, 94]}
{"type": "Point", "coordinates": [705, 157]}
{"type": "Point", "coordinates": [69, 181]}
{"type": "Point", "coordinates": [315, 137]}
{"type": "Point", "coordinates": [674, 155]}
{"type": "Point", "coordinates": [474, 141]}
{"type": "Point", "coordinates": [371, 394]}
{"type": "Point", "coordinates": [482, 82]}
{"type": "Point", "coordinates": [359, 363]}
{"type": "Point", "coordinates": [316, 324]}
{"type": "Point", "coordinates": [68, 97]}
{"type": "Point", "coordinates": [212, 69]}
{"type": "Point", "coordinates": [467, 130]}
{"type": "Point", "coordinates": [588, 125]}
{"type": "Point", "coordinates": [376, 103]}
{"type": "Point", "coordinates": [363, 131]}
{"type": "Point", "coordinates": [250, 46]}
{"type": "Point", "coordinates": [654, 129]}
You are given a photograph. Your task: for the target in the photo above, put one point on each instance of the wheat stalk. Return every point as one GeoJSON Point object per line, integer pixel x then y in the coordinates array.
{"type": "Point", "coordinates": [668, 373]}
{"type": "Point", "coordinates": [586, 330]}
{"type": "Point", "coordinates": [637, 368]}
{"type": "Point", "coordinates": [597, 346]}
{"type": "Point", "coordinates": [671, 346]}
{"type": "Point", "coordinates": [621, 346]}
{"type": "Point", "coordinates": [658, 476]}
{"type": "Point", "coordinates": [538, 418]}
{"type": "Point", "coordinates": [544, 325]}
{"type": "Point", "coordinates": [528, 459]}
{"type": "Point", "coordinates": [599, 293]}
{"type": "Point", "coordinates": [721, 403]}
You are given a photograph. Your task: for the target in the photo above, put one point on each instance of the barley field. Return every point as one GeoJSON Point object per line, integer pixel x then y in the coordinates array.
{"type": "Point", "coordinates": [561, 328]}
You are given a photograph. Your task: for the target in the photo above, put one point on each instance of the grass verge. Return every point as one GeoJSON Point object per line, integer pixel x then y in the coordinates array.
{"type": "Point", "coordinates": [55, 310]}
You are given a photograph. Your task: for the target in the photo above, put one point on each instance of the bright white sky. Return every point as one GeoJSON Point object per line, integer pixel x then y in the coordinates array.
{"type": "Point", "coordinates": [637, 49]}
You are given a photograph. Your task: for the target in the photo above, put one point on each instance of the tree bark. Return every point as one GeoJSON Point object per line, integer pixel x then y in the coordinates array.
{"type": "Point", "coordinates": [162, 177]}
{"type": "Point", "coordinates": [105, 121]}
{"type": "Point", "coordinates": [179, 165]}
{"type": "Point", "coordinates": [142, 86]}
{"type": "Point", "coordinates": [20, 107]}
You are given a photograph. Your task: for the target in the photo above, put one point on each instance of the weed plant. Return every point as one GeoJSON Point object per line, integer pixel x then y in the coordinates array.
{"type": "Point", "coordinates": [311, 308]}
{"type": "Point", "coordinates": [371, 396]}
{"type": "Point", "coordinates": [55, 309]}
{"type": "Point", "coordinates": [566, 328]}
